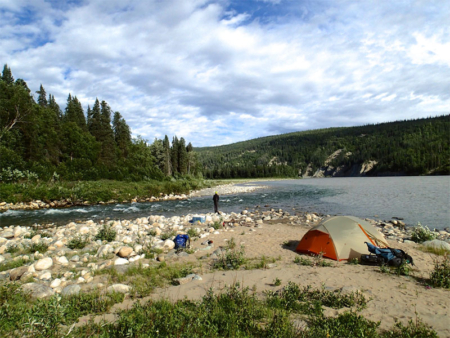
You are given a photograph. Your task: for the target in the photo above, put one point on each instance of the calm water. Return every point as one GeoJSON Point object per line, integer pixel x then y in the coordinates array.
{"type": "Point", "coordinates": [415, 199]}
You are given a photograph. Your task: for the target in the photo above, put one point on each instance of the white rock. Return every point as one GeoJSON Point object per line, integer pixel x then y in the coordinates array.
{"type": "Point", "coordinates": [54, 284]}
{"type": "Point", "coordinates": [127, 240]}
{"type": "Point", "coordinates": [438, 244]}
{"type": "Point", "coordinates": [120, 288]}
{"type": "Point", "coordinates": [62, 260]}
{"type": "Point", "coordinates": [84, 230]}
{"type": "Point", "coordinates": [138, 248]}
{"type": "Point", "coordinates": [121, 261]}
{"type": "Point", "coordinates": [43, 264]}
{"type": "Point", "coordinates": [45, 275]}
{"type": "Point", "coordinates": [169, 244]}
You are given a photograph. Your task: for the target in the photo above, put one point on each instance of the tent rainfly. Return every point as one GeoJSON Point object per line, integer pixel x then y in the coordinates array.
{"type": "Point", "coordinates": [341, 238]}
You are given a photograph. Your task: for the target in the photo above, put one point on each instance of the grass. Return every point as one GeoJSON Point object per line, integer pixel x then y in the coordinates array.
{"type": "Point", "coordinates": [96, 191]}
{"type": "Point", "coordinates": [313, 261]}
{"type": "Point", "coordinates": [437, 251]}
{"type": "Point", "coordinates": [12, 264]}
{"type": "Point", "coordinates": [440, 276]}
{"type": "Point", "coordinates": [422, 233]}
{"type": "Point", "coordinates": [23, 316]}
{"type": "Point", "coordinates": [402, 270]}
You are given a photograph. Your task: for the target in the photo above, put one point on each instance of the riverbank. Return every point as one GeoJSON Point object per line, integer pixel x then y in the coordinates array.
{"type": "Point", "coordinates": [120, 257]}
{"type": "Point", "coordinates": [71, 194]}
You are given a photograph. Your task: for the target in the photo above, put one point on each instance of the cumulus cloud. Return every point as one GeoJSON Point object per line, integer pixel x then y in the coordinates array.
{"type": "Point", "coordinates": [217, 72]}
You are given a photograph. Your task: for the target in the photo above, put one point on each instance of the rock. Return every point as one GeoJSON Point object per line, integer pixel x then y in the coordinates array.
{"type": "Point", "coordinates": [45, 275]}
{"type": "Point", "coordinates": [18, 231]}
{"type": "Point", "coordinates": [43, 264]}
{"type": "Point", "coordinates": [69, 290]}
{"type": "Point", "coordinates": [138, 248]}
{"type": "Point", "coordinates": [120, 288]}
{"type": "Point", "coordinates": [38, 290]}
{"type": "Point", "coordinates": [184, 280]}
{"type": "Point", "coordinates": [160, 258]}
{"type": "Point", "coordinates": [121, 261]}
{"type": "Point", "coordinates": [125, 251]}
{"type": "Point", "coordinates": [2, 258]}
{"type": "Point", "coordinates": [54, 284]}
{"type": "Point", "coordinates": [62, 260]}
{"type": "Point", "coordinates": [127, 240]}
{"type": "Point", "coordinates": [17, 273]}
{"type": "Point", "coordinates": [104, 250]}
{"type": "Point", "coordinates": [437, 244]}
{"type": "Point", "coordinates": [7, 234]}
{"type": "Point", "coordinates": [169, 244]}
{"type": "Point", "coordinates": [75, 258]}
{"type": "Point", "coordinates": [84, 230]}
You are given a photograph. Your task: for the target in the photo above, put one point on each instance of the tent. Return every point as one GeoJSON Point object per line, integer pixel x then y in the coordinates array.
{"type": "Point", "coordinates": [341, 238]}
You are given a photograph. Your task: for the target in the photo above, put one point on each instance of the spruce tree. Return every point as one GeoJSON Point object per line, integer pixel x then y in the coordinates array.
{"type": "Point", "coordinates": [107, 135]}
{"type": "Point", "coordinates": [122, 134]}
{"type": "Point", "coordinates": [42, 98]}
{"type": "Point", "coordinates": [167, 169]}
{"type": "Point", "coordinates": [182, 157]}
{"type": "Point", "coordinates": [174, 155]}
{"type": "Point", "coordinates": [7, 75]}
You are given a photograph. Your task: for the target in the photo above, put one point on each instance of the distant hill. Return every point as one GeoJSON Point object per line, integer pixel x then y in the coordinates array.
{"type": "Point", "coordinates": [410, 147]}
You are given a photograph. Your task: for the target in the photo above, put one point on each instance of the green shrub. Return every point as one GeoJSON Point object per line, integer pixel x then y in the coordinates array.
{"type": "Point", "coordinates": [231, 259]}
{"type": "Point", "coordinates": [217, 225]}
{"type": "Point", "coordinates": [276, 282]}
{"type": "Point", "coordinates": [106, 233]}
{"type": "Point", "coordinates": [12, 249]}
{"type": "Point", "coordinates": [192, 233]}
{"type": "Point", "coordinates": [40, 247]}
{"type": "Point", "coordinates": [422, 233]}
{"type": "Point", "coordinates": [440, 276]}
{"type": "Point", "coordinates": [78, 242]}
{"type": "Point", "coordinates": [168, 235]}
{"type": "Point", "coordinates": [413, 329]}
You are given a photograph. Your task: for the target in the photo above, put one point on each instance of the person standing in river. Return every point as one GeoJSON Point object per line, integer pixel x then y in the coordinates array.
{"type": "Point", "coordinates": [216, 202]}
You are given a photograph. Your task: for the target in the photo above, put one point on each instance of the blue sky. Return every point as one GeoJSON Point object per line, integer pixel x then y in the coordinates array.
{"type": "Point", "coordinates": [218, 72]}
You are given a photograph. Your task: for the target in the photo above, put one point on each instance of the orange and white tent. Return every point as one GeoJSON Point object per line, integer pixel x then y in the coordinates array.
{"type": "Point", "coordinates": [341, 238]}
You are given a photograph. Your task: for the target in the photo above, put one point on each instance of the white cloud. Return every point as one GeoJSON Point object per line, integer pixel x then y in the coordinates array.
{"type": "Point", "coordinates": [215, 73]}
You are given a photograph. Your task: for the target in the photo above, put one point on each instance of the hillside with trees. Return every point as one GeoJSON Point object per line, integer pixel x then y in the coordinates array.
{"type": "Point", "coordinates": [39, 141]}
{"type": "Point", "coordinates": [411, 147]}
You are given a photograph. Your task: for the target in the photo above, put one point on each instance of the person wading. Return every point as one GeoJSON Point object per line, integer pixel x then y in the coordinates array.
{"type": "Point", "coordinates": [216, 202]}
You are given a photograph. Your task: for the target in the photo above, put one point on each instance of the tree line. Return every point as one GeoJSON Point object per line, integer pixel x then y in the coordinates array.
{"type": "Point", "coordinates": [39, 140]}
{"type": "Point", "coordinates": [410, 147]}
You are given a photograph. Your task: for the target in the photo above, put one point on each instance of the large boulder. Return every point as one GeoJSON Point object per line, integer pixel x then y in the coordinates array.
{"type": "Point", "coordinates": [38, 290]}
{"type": "Point", "coordinates": [437, 244]}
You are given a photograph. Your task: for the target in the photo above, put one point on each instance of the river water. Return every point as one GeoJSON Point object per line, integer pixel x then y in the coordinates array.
{"type": "Point", "coordinates": [424, 199]}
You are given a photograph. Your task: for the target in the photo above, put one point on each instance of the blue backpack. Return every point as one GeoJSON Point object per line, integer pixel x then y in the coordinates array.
{"type": "Point", "coordinates": [182, 242]}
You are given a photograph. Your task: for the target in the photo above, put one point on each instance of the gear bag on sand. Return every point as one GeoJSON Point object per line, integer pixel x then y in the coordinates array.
{"type": "Point", "coordinates": [389, 256]}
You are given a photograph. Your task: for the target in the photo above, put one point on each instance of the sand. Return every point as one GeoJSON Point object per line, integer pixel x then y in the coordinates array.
{"type": "Point", "coordinates": [392, 298]}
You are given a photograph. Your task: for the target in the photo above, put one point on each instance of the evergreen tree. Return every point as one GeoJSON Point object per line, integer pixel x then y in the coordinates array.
{"type": "Point", "coordinates": [42, 98]}
{"type": "Point", "coordinates": [122, 134]}
{"type": "Point", "coordinates": [95, 124]}
{"type": "Point", "coordinates": [167, 168]}
{"type": "Point", "coordinates": [54, 106]}
{"type": "Point", "coordinates": [174, 155]}
{"type": "Point", "coordinates": [106, 135]}
{"type": "Point", "coordinates": [7, 75]}
{"type": "Point", "coordinates": [182, 156]}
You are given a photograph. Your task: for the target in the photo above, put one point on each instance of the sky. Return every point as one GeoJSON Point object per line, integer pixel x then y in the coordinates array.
{"type": "Point", "coordinates": [223, 71]}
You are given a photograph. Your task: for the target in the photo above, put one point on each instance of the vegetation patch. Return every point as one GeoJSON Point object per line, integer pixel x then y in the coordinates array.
{"type": "Point", "coordinates": [106, 233]}
{"type": "Point", "coordinates": [422, 233]}
{"type": "Point", "coordinates": [440, 276]}
{"type": "Point", "coordinates": [78, 242]}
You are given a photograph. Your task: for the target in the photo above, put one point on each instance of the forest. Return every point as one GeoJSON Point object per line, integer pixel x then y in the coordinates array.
{"type": "Point", "coordinates": [39, 141]}
{"type": "Point", "coordinates": [410, 147]}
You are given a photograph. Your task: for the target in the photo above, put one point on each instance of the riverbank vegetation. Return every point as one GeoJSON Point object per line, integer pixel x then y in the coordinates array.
{"type": "Point", "coordinates": [41, 142]}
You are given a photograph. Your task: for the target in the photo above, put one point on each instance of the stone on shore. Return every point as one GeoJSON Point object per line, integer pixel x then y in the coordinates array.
{"type": "Point", "coordinates": [437, 244]}
{"type": "Point", "coordinates": [125, 252]}
{"type": "Point", "coordinates": [43, 264]}
{"type": "Point", "coordinates": [38, 290]}
{"type": "Point", "coordinates": [121, 261]}
{"type": "Point", "coordinates": [119, 288]}
{"type": "Point", "coordinates": [17, 273]}
{"type": "Point", "coordinates": [69, 290]}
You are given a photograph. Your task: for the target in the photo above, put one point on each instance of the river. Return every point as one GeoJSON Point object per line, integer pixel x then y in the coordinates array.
{"type": "Point", "coordinates": [424, 199]}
